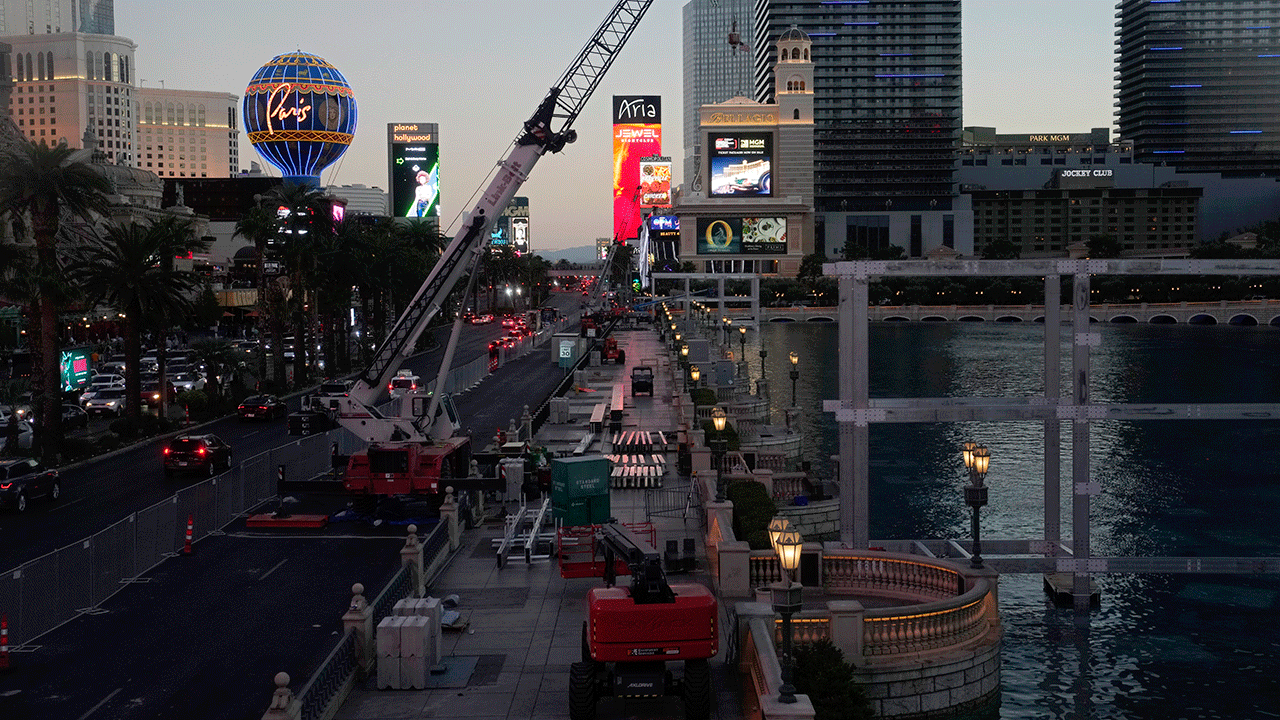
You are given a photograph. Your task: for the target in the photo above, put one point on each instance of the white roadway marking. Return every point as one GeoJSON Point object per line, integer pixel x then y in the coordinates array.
{"type": "Point", "coordinates": [94, 709]}
{"type": "Point", "coordinates": [277, 567]}
{"type": "Point", "coordinates": [63, 506]}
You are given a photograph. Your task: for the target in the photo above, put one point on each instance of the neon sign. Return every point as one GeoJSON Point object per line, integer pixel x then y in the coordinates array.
{"type": "Point", "coordinates": [276, 107]}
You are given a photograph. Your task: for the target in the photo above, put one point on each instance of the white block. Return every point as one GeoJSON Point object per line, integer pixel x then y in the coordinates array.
{"type": "Point", "coordinates": [413, 673]}
{"type": "Point", "coordinates": [420, 607]}
{"type": "Point", "coordinates": [388, 673]}
{"type": "Point", "coordinates": [388, 637]}
{"type": "Point", "coordinates": [403, 607]}
{"type": "Point", "coordinates": [434, 639]}
{"type": "Point", "coordinates": [413, 637]}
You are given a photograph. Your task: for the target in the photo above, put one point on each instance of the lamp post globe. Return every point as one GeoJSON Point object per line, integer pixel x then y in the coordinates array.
{"type": "Point", "coordinates": [719, 419]}
{"type": "Point", "coordinates": [795, 375]}
{"type": "Point", "coordinates": [977, 459]}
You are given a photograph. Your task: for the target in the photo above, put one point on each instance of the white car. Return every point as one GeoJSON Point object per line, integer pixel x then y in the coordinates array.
{"type": "Point", "coordinates": [403, 382]}
{"type": "Point", "coordinates": [95, 387]}
{"type": "Point", "coordinates": [25, 433]}
{"type": "Point", "coordinates": [185, 381]}
{"type": "Point", "coordinates": [108, 402]}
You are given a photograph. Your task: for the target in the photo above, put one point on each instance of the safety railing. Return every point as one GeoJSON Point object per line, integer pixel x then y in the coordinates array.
{"type": "Point", "coordinates": [42, 594]}
{"type": "Point", "coordinates": [331, 682]}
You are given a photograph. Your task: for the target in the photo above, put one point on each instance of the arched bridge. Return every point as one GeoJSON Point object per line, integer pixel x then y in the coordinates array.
{"type": "Point", "coordinates": [1245, 312]}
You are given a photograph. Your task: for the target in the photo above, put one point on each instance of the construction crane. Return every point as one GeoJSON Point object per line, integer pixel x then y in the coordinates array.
{"type": "Point", "coordinates": [410, 453]}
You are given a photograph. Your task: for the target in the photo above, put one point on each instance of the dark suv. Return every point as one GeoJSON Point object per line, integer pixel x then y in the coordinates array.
{"type": "Point", "coordinates": [204, 454]}
{"type": "Point", "coordinates": [26, 478]}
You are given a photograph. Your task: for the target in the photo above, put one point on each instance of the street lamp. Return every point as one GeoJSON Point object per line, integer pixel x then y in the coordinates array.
{"type": "Point", "coordinates": [718, 447]}
{"type": "Point", "coordinates": [684, 352]}
{"type": "Point", "coordinates": [777, 526]}
{"type": "Point", "coordinates": [795, 375]}
{"type": "Point", "coordinates": [976, 458]}
{"type": "Point", "coordinates": [763, 354]}
{"type": "Point", "coordinates": [694, 375]}
{"type": "Point", "coordinates": [787, 598]}
{"type": "Point", "coordinates": [727, 324]}
{"type": "Point", "coordinates": [742, 340]}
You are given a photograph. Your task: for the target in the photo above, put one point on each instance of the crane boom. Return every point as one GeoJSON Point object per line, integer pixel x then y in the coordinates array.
{"type": "Point", "coordinates": [549, 129]}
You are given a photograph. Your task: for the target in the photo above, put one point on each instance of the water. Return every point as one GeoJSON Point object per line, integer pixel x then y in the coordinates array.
{"type": "Point", "coordinates": [1160, 646]}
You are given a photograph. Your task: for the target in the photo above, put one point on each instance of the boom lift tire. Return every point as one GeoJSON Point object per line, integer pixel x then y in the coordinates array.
{"type": "Point", "coordinates": [622, 357]}
{"type": "Point", "coordinates": [582, 691]}
{"type": "Point", "coordinates": [697, 689]}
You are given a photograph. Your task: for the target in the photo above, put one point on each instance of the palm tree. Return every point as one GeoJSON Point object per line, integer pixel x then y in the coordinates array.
{"type": "Point", "coordinates": [261, 226]}
{"type": "Point", "coordinates": [125, 269]}
{"type": "Point", "coordinates": [176, 237]}
{"type": "Point", "coordinates": [309, 217]}
{"type": "Point", "coordinates": [217, 358]}
{"type": "Point", "coordinates": [38, 184]}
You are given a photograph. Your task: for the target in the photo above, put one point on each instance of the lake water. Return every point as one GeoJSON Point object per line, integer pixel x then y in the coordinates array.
{"type": "Point", "coordinates": [1160, 646]}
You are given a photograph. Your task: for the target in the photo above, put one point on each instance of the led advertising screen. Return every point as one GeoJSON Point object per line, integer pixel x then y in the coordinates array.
{"type": "Point", "coordinates": [655, 182]}
{"type": "Point", "coordinates": [742, 236]}
{"type": "Point", "coordinates": [413, 152]}
{"type": "Point", "coordinates": [741, 164]}
{"type": "Point", "coordinates": [500, 233]}
{"type": "Point", "coordinates": [637, 133]}
{"type": "Point", "coordinates": [520, 235]}
{"type": "Point", "coordinates": [74, 366]}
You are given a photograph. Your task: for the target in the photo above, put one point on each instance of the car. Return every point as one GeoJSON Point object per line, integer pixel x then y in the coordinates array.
{"type": "Point", "coordinates": [110, 401]}
{"type": "Point", "coordinates": [113, 365]}
{"type": "Point", "coordinates": [262, 407]}
{"type": "Point", "coordinates": [25, 434]}
{"type": "Point", "coordinates": [96, 386]}
{"type": "Point", "coordinates": [185, 381]}
{"type": "Point", "coordinates": [508, 323]}
{"type": "Point", "coordinates": [25, 478]}
{"type": "Point", "coordinates": [197, 454]}
{"type": "Point", "coordinates": [641, 380]}
{"type": "Point", "coordinates": [151, 394]}
{"type": "Point", "coordinates": [74, 416]}
{"type": "Point", "coordinates": [335, 388]}
{"type": "Point", "coordinates": [403, 382]}
{"type": "Point", "coordinates": [247, 347]}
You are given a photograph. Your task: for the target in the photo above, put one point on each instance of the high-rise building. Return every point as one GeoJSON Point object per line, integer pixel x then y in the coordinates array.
{"type": "Point", "coordinates": [717, 66]}
{"type": "Point", "coordinates": [65, 83]}
{"type": "Point", "coordinates": [51, 17]}
{"type": "Point", "coordinates": [1198, 84]}
{"type": "Point", "coordinates": [887, 118]}
{"type": "Point", "coordinates": [187, 133]}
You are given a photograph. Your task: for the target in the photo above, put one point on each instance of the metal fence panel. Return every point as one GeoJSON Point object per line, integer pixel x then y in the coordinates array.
{"type": "Point", "coordinates": [112, 560]}
{"type": "Point", "coordinates": [75, 569]}
{"type": "Point", "coordinates": [11, 604]}
{"type": "Point", "coordinates": [40, 598]}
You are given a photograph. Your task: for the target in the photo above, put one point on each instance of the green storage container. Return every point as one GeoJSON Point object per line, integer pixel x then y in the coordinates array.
{"type": "Point", "coordinates": [577, 477]}
{"type": "Point", "coordinates": [590, 510]}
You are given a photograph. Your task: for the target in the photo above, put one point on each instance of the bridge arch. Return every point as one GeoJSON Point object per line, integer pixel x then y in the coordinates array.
{"type": "Point", "coordinates": [970, 318]}
{"type": "Point", "coordinates": [903, 318]}
{"type": "Point", "coordinates": [1163, 320]}
{"type": "Point", "coordinates": [782, 320]}
{"type": "Point", "coordinates": [1202, 319]}
{"type": "Point", "coordinates": [822, 319]}
{"type": "Point", "coordinates": [1123, 320]}
{"type": "Point", "coordinates": [1275, 321]}
{"type": "Point", "coordinates": [1243, 320]}
{"type": "Point", "coordinates": [1008, 319]}
{"type": "Point", "coordinates": [933, 318]}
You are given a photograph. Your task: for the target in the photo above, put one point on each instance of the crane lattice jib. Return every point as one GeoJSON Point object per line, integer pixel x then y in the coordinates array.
{"type": "Point", "coordinates": [586, 71]}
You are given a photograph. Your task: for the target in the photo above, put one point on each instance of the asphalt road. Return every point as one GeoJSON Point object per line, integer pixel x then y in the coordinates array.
{"type": "Point", "coordinates": [202, 636]}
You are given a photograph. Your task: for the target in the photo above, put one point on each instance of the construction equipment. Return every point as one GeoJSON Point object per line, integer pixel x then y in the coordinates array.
{"type": "Point", "coordinates": [632, 633]}
{"type": "Point", "coordinates": [416, 450]}
{"type": "Point", "coordinates": [609, 351]}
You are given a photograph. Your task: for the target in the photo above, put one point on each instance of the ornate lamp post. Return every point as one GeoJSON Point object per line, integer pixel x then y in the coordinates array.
{"type": "Point", "coordinates": [694, 375]}
{"type": "Point", "coordinates": [763, 354]}
{"type": "Point", "coordinates": [777, 526]}
{"type": "Point", "coordinates": [795, 375]}
{"type": "Point", "coordinates": [976, 458]}
{"type": "Point", "coordinates": [684, 352]}
{"type": "Point", "coordinates": [786, 602]}
{"type": "Point", "coordinates": [727, 325]}
{"type": "Point", "coordinates": [742, 340]}
{"type": "Point", "coordinates": [718, 447]}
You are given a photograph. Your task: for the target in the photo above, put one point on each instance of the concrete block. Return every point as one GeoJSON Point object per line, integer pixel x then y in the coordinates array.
{"type": "Point", "coordinates": [388, 673]}
{"type": "Point", "coordinates": [949, 680]}
{"type": "Point", "coordinates": [388, 634]}
{"type": "Point", "coordinates": [402, 608]}
{"type": "Point", "coordinates": [413, 641]}
{"type": "Point", "coordinates": [934, 701]}
{"type": "Point", "coordinates": [908, 705]}
{"type": "Point", "coordinates": [413, 673]}
{"type": "Point", "coordinates": [433, 634]}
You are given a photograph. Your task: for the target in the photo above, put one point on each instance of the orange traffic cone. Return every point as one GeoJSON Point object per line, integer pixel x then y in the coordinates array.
{"type": "Point", "coordinates": [191, 523]}
{"type": "Point", "coordinates": [4, 642]}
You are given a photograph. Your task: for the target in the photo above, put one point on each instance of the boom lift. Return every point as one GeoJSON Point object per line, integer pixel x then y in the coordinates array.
{"type": "Point", "coordinates": [412, 452]}
{"type": "Point", "coordinates": [631, 633]}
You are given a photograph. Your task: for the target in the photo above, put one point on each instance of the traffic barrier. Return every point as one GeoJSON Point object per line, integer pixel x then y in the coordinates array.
{"type": "Point", "coordinates": [191, 524]}
{"type": "Point", "coordinates": [4, 642]}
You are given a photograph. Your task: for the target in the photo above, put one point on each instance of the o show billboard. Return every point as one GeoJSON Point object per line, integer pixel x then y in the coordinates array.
{"type": "Point", "coordinates": [742, 236]}
{"type": "Point", "coordinates": [637, 133]}
{"type": "Point", "coordinates": [413, 169]}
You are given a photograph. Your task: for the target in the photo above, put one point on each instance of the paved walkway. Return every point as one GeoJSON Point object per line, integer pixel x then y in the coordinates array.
{"type": "Point", "coordinates": [524, 621]}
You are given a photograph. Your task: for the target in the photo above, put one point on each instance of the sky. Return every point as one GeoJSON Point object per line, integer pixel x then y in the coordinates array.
{"type": "Point", "coordinates": [479, 68]}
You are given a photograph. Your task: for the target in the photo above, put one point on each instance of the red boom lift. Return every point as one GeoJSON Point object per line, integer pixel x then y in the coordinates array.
{"type": "Point", "coordinates": [632, 633]}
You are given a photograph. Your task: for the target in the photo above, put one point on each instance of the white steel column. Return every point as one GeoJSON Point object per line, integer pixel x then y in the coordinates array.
{"type": "Point", "coordinates": [1052, 426]}
{"type": "Point", "coordinates": [1083, 337]}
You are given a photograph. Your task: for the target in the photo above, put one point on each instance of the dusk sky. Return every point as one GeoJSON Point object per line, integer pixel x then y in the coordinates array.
{"type": "Point", "coordinates": [479, 69]}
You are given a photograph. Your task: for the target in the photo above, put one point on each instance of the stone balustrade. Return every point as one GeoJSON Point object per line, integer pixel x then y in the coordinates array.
{"type": "Point", "coordinates": [889, 575]}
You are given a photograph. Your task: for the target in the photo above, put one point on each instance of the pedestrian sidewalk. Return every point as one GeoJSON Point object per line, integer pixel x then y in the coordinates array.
{"type": "Point", "coordinates": [523, 623]}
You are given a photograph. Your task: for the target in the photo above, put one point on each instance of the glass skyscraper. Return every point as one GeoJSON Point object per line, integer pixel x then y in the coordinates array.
{"type": "Point", "coordinates": [48, 17]}
{"type": "Point", "coordinates": [1198, 84]}
{"type": "Point", "coordinates": [714, 70]}
{"type": "Point", "coordinates": [887, 109]}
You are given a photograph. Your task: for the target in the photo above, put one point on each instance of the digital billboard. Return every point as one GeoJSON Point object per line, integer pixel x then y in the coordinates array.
{"type": "Point", "coordinates": [413, 153]}
{"type": "Point", "coordinates": [742, 236]}
{"type": "Point", "coordinates": [741, 164]}
{"type": "Point", "coordinates": [655, 182]}
{"type": "Point", "coordinates": [637, 133]}
{"type": "Point", "coordinates": [511, 227]}
{"type": "Point", "coordinates": [74, 366]}
{"type": "Point", "coordinates": [499, 233]}
{"type": "Point", "coordinates": [520, 235]}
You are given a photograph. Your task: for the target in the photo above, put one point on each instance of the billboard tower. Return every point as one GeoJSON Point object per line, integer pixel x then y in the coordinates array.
{"type": "Point", "coordinates": [637, 133]}
{"type": "Point", "coordinates": [413, 169]}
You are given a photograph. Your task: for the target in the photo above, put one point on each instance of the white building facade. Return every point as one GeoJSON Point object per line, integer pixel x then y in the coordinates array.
{"type": "Point", "coordinates": [187, 133]}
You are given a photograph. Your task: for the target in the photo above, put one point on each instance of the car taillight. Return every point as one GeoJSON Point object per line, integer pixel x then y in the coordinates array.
{"type": "Point", "coordinates": [167, 451]}
{"type": "Point", "coordinates": [6, 486]}
{"type": "Point", "coordinates": [389, 387]}
{"type": "Point", "coordinates": [200, 452]}
{"type": "Point", "coordinates": [413, 386]}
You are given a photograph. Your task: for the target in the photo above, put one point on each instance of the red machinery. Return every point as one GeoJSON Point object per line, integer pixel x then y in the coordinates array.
{"type": "Point", "coordinates": [632, 633]}
{"type": "Point", "coordinates": [609, 351]}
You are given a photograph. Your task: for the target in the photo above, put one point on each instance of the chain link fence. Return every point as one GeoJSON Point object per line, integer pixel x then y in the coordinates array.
{"type": "Point", "coordinates": [57, 587]}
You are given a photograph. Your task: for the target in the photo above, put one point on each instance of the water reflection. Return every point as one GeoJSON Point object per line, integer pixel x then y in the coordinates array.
{"type": "Point", "coordinates": [1159, 646]}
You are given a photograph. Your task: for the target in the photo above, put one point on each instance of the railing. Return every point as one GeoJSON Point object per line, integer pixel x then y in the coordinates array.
{"type": "Point", "coordinates": [331, 682]}
{"type": "Point", "coordinates": [395, 591]}
{"type": "Point", "coordinates": [932, 626]}
{"type": "Point", "coordinates": [889, 577]}
{"type": "Point", "coordinates": [42, 594]}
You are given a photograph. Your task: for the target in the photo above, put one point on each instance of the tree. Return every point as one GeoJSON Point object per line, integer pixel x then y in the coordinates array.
{"type": "Point", "coordinates": [261, 227]}
{"type": "Point", "coordinates": [1104, 246]}
{"type": "Point", "coordinates": [38, 185]}
{"type": "Point", "coordinates": [218, 358]}
{"type": "Point", "coordinates": [125, 269]}
{"type": "Point", "coordinates": [1001, 249]}
{"type": "Point", "coordinates": [822, 673]}
{"type": "Point", "coordinates": [810, 270]}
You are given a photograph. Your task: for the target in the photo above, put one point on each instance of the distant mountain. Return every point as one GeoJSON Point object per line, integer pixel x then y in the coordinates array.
{"type": "Point", "coordinates": [582, 254]}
